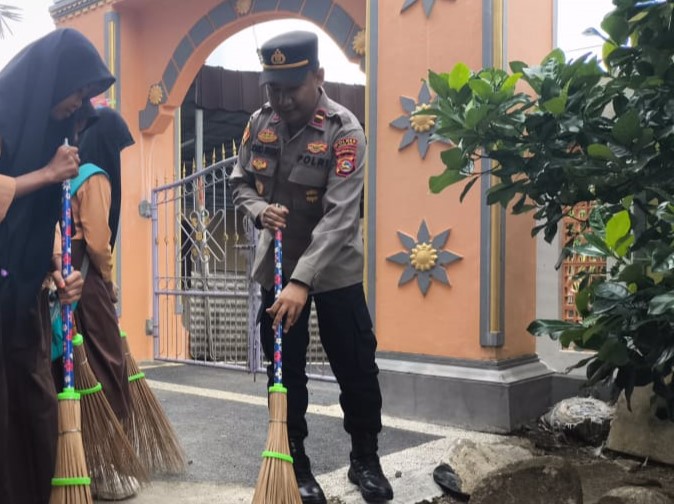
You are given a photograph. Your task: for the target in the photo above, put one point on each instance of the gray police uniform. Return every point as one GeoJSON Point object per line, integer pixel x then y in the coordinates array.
{"type": "Point", "coordinates": [318, 175]}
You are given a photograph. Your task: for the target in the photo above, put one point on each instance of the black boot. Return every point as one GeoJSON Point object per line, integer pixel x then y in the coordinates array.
{"type": "Point", "coordinates": [365, 470]}
{"type": "Point", "coordinates": [310, 491]}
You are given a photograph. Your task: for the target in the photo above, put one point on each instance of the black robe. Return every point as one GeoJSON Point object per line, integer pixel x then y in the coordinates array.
{"type": "Point", "coordinates": [31, 84]}
{"type": "Point", "coordinates": [101, 144]}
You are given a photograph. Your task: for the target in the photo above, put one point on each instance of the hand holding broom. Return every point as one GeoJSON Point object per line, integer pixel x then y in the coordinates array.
{"type": "Point", "coordinates": [70, 484]}
{"type": "Point", "coordinates": [276, 483]}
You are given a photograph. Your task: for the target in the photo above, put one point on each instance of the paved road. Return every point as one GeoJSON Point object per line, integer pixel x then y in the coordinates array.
{"type": "Point", "coordinates": [221, 419]}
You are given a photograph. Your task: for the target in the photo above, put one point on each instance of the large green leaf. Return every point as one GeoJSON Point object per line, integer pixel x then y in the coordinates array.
{"type": "Point", "coordinates": [661, 304]}
{"type": "Point", "coordinates": [627, 128]}
{"type": "Point", "coordinates": [439, 83]}
{"type": "Point", "coordinates": [617, 27]}
{"type": "Point", "coordinates": [600, 151]}
{"type": "Point", "coordinates": [481, 88]}
{"type": "Point", "coordinates": [617, 227]}
{"type": "Point", "coordinates": [615, 352]}
{"type": "Point", "coordinates": [439, 182]}
{"type": "Point", "coordinates": [543, 327]}
{"type": "Point", "coordinates": [459, 76]}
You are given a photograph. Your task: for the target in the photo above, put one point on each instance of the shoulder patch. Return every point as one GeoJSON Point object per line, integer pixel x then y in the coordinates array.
{"type": "Point", "coordinates": [345, 150]}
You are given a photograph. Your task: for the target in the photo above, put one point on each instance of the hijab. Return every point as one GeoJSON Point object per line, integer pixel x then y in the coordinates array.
{"type": "Point", "coordinates": [31, 84]}
{"type": "Point", "coordinates": [101, 144]}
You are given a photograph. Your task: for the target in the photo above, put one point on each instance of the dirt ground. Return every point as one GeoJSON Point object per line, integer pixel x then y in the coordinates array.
{"type": "Point", "coordinates": [600, 470]}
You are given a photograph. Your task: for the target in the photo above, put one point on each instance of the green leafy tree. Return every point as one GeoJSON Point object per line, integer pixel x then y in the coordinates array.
{"type": "Point", "coordinates": [595, 133]}
{"type": "Point", "coordinates": [8, 13]}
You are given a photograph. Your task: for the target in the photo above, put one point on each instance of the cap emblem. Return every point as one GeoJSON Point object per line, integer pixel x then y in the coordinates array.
{"type": "Point", "coordinates": [278, 58]}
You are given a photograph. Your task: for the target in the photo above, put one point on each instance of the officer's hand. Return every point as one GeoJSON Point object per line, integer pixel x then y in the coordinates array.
{"type": "Point", "coordinates": [70, 289]}
{"type": "Point", "coordinates": [289, 305]}
{"type": "Point", "coordinates": [274, 217]}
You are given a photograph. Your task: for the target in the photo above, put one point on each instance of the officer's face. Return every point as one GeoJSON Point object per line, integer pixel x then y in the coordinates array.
{"type": "Point", "coordinates": [295, 105]}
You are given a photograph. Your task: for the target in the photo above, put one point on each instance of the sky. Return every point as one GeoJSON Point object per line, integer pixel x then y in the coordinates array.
{"type": "Point", "coordinates": [574, 16]}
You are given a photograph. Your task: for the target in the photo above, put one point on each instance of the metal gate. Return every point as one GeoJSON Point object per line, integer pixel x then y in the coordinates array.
{"type": "Point", "coordinates": [205, 305]}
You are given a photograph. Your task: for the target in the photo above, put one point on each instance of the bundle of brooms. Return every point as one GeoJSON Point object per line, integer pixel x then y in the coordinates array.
{"type": "Point", "coordinates": [110, 457]}
{"type": "Point", "coordinates": [276, 483]}
{"type": "Point", "coordinates": [147, 427]}
{"type": "Point", "coordinates": [70, 484]}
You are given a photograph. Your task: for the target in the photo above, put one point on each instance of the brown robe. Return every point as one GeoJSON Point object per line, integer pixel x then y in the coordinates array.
{"type": "Point", "coordinates": [95, 315]}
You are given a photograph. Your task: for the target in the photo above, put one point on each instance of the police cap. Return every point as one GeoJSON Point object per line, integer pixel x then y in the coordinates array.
{"type": "Point", "coordinates": [286, 59]}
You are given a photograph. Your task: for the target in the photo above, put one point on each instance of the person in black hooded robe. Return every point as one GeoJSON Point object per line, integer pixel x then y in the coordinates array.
{"type": "Point", "coordinates": [40, 89]}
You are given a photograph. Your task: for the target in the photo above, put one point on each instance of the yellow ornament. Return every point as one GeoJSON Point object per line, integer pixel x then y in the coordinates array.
{"type": "Point", "coordinates": [243, 6]}
{"type": "Point", "coordinates": [358, 43]}
{"type": "Point", "coordinates": [422, 123]}
{"type": "Point", "coordinates": [155, 95]}
{"type": "Point", "coordinates": [423, 257]}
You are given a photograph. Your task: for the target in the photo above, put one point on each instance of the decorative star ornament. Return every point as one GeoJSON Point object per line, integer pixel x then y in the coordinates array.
{"type": "Point", "coordinates": [417, 127]}
{"type": "Point", "coordinates": [428, 5]}
{"type": "Point", "coordinates": [424, 258]}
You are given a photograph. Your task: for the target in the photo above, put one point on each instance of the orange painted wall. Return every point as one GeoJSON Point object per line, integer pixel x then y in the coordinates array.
{"type": "Point", "coordinates": [446, 321]}
{"type": "Point", "coordinates": [520, 266]}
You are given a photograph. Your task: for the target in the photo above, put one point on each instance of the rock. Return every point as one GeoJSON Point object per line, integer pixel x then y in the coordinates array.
{"type": "Point", "coordinates": [585, 418]}
{"type": "Point", "coordinates": [639, 432]}
{"type": "Point", "coordinates": [473, 461]}
{"type": "Point", "coordinates": [634, 495]}
{"type": "Point", "coordinates": [541, 480]}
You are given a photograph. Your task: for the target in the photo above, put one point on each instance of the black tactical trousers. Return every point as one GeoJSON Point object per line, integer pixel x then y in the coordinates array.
{"type": "Point", "coordinates": [346, 334]}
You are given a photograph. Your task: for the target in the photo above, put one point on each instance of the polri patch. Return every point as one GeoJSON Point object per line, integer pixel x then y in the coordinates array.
{"type": "Point", "coordinates": [317, 147]}
{"type": "Point", "coordinates": [260, 164]}
{"type": "Point", "coordinates": [267, 135]}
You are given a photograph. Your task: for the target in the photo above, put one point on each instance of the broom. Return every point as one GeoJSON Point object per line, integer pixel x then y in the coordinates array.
{"type": "Point", "coordinates": [70, 484]}
{"type": "Point", "coordinates": [110, 456]}
{"type": "Point", "coordinates": [147, 428]}
{"type": "Point", "coordinates": [276, 483]}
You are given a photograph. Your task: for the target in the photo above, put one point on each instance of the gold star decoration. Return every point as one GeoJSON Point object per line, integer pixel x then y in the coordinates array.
{"type": "Point", "coordinates": [424, 258]}
{"type": "Point", "coordinates": [243, 7]}
{"type": "Point", "coordinates": [155, 95]}
{"type": "Point", "coordinates": [358, 43]}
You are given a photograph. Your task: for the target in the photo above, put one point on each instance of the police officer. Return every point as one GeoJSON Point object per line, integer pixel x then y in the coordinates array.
{"type": "Point", "coordinates": [301, 169]}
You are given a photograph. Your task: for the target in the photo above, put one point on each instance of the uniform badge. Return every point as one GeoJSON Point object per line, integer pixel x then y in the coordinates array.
{"type": "Point", "coordinates": [312, 196]}
{"type": "Point", "coordinates": [246, 135]}
{"type": "Point", "coordinates": [317, 147]}
{"type": "Point", "coordinates": [345, 166]}
{"type": "Point", "coordinates": [260, 164]}
{"type": "Point", "coordinates": [267, 136]}
{"type": "Point", "coordinates": [259, 186]}
{"type": "Point", "coordinates": [345, 151]}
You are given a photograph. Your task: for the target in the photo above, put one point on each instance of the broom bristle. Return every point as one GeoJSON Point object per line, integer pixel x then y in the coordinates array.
{"type": "Point", "coordinates": [71, 483]}
{"type": "Point", "coordinates": [148, 428]}
{"type": "Point", "coordinates": [276, 483]}
{"type": "Point", "coordinates": [113, 463]}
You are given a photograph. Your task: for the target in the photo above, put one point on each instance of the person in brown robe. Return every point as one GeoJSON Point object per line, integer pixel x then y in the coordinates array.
{"type": "Point", "coordinates": [40, 89]}
{"type": "Point", "coordinates": [95, 210]}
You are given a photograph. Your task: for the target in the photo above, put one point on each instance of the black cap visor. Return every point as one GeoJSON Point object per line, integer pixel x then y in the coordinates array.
{"type": "Point", "coordinates": [290, 77]}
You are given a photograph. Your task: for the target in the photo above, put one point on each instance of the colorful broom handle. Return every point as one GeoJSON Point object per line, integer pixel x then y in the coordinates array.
{"type": "Point", "coordinates": [278, 286]}
{"type": "Point", "coordinates": [67, 267]}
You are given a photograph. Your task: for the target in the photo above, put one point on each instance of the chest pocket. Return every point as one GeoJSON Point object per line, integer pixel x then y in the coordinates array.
{"type": "Point", "coordinates": [308, 185]}
{"type": "Point", "coordinates": [261, 165]}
